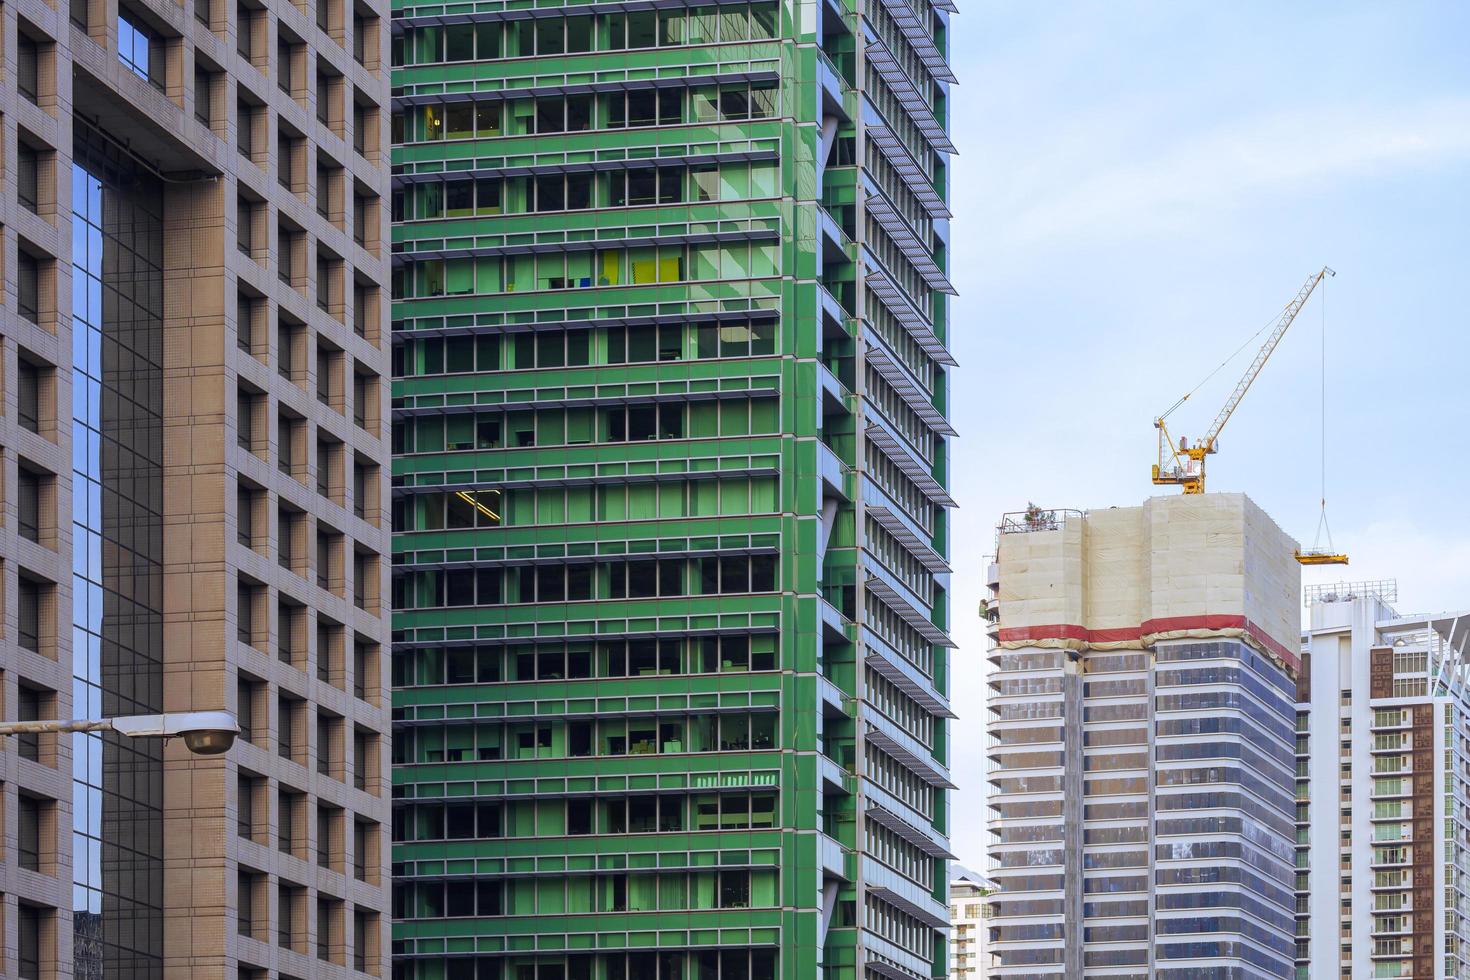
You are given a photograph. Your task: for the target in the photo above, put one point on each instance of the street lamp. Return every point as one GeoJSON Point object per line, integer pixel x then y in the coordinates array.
{"type": "Point", "coordinates": [204, 732]}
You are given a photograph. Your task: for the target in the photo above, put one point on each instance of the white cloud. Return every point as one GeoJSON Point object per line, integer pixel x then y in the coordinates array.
{"type": "Point", "coordinates": [1219, 168]}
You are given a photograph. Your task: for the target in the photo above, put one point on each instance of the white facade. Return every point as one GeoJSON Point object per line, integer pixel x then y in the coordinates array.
{"type": "Point", "coordinates": [968, 915]}
{"type": "Point", "coordinates": [1383, 766]}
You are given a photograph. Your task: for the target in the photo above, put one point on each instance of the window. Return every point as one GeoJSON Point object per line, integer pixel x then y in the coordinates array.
{"type": "Point", "coordinates": [326, 818]}
{"type": "Point", "coordinates": [29, 707]}
{"type": "Point", "coordinates": [323, 188]}
{"type": "Point", "coordinates": [27, 176]}
{"type": "Point", "coordinates": [361, 846]}
{"type": "Point", "coordinates": [139, 49]}
{"type": "Point", "coordinates": [324, 930]}
{"type": "Point", "coordinates": [248, 406]}
{"type": "Point", "coordinates": [285, 64]}
{"type": "Point", "coordinates": [248, 790]}
{"type": "Point", "coordinates": [30, 594]}
{"type": "Point", "coordinates": [328, 463]}
{"type": "Point", "coordinates": [288, 803]}
{"type": "Point", "coordinates": [291, 910]}
{"type": "Point", "coordinates": [28, 830]}
{"type": "Point", "coordinates": [364, 938]}
{"type": "Point", "coordinates": [28, 941]}
{"type": "Point", "coordinates": [245, 128]}
{"type": "Point", "coordinates": [203, 86]}
{"type": "Point", "coordinates": [28, 395]}
{"type": "Point", "coordinates": [246, 596]}
{"type": "Point", "coordinates": [246, 708]}
{"type": "Point", "coordinates": [326, 285]}
{"type": "Point", "coordinates": [364, 567]}
{"type": "Point", "coordinates": [363, 748]}
{"type": "Point", "coordinates": [364, 669]}
{"type": "Point", "coordinates": [292, 448]}
{"type": "Point", "coordinates": [362, 484]}
{"type": "Point", "coordinates": [359, 38]}
{"type": "Point", "coordinates": [245, 320]}
{"type": "Point", "coordinates": [27, 67]}
{"type": "Point", "coordinates": [291, 631]}
{"type": "Point", "coordinates": [327, 657]}
{"type": "Point", "coordinates": [360, 115]}
{"type": "Point", "coordinates": [364, 309]}
{"type": "Point", "coordinates": [327, 728]}
{"type": "Point", "coordinates": [248, 883]}
{"type": "Point", "coordinates": [245, 19]}
{"type": "Point", "coordinates": [327, 542]}
{"type": "Point", "coordinates": [30, 485]}
{"type": "Point", "coordinates": [28, 286]}
{"type": "Point", "coordinates": [362, 396]}
{"type": "Point", "coordinates": [323, 97]}
{"type": "Point", "coordinates": [245, 211]}
{"type": "Point", "coordinates": [362, 212]}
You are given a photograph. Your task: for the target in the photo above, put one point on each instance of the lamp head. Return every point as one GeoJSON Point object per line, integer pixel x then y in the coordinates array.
{"type": "Point", "coordinates": [208, 741]}
{"type": "Point", "coordinates": [203, 732]}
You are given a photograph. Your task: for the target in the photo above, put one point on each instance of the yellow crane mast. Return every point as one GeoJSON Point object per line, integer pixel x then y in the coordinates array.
{"type": "Point", "coordinates": [1184, 465]}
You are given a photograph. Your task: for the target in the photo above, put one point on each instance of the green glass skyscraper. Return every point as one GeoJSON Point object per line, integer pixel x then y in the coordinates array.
{"type": "Point", "coordinates": [669, 490]}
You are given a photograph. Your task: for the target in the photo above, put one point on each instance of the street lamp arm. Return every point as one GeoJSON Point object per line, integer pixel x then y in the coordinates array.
{"type": "Point", "coordinates": [204, 732]}
{"type": "Point", "coordinates": [52, 727]}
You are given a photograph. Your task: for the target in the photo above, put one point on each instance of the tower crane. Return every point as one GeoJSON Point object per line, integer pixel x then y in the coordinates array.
{"type": "Point", "coordinates": [1184, 465]}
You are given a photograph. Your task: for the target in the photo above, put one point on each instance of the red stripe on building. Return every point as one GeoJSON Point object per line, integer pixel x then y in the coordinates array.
{"type": "Point", "coordinates": [1169, 624]}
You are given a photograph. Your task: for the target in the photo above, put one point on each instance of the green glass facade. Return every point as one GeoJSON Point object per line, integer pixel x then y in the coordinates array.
{"type": "Point", "coordinates": [669, 490]}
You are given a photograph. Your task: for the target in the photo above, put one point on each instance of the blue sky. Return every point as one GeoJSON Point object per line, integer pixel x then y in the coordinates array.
{"type": "Point", "coordinates": [1139, 188]}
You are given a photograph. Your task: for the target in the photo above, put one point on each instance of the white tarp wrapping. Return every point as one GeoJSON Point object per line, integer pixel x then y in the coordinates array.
{"type": "Point", "coordinates": [1176, 567]}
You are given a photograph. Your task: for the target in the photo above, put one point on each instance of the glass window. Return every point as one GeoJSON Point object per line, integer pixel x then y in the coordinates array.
{"type": "Point", "coordinates": [135, 49]}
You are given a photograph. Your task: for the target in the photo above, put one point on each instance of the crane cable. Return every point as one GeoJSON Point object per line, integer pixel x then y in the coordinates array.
{"type": "Point", "coordinates": [1222, 365]}
{"type": "Point", "coordinates": [1322, 524]}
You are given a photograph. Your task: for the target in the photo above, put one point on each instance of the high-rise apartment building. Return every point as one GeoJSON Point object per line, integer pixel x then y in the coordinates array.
{"type": "Point", "coordinates": [671, 455]}
{"type": "Point", "coordinates": [969, 912]}
{"type": "Point", "coordinates": [194, 445]}
{"type": "Point", "coordinates": [1141, 720]}
{"type": "Point", "coordinates": [1383, 780]}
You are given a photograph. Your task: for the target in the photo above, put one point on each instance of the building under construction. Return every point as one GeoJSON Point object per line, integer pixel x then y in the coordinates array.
{"type": "Point", "coordinates": [1144, 675]}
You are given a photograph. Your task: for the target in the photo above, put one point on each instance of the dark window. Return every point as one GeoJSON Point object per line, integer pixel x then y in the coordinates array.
{"type": "Point", "coordinates": [245, 128]}
{"type": "Point", "coordinates": [245, 225]}
{"type": "Point", "coordinates": [28, 504]}
{"type": "Point", "coordinates": [28, 833]}
{"type": "Point", "coordinates": [360, 212]}
{"type": "Point", "coordinates": [202, 109]}
{"type": "Point", "coordinates": [359, 48]}
{"type": "Point", "coordinates": [28, 708]}
{"type": "Point", "coordinates": [28, 396]}
{"type": "Point", "coordinates": [245, 613]}
{"type": "Point", "coordinates": [323, 281]}
{"type": "Point", "coordinates": [28, 286]}
{"type": "Point", "coordinates": [245, 812]}
{"type": "Point", "coordinates": [284, 74]}
{"type": "Point", "coordinates": [28, 614]}
{"type": "Point", "coordinates": [323, 97]}
{"type": "Point", "coordinates": [359, 128]}
{"type": "Point", "coordinates": [244, 33]}
{"type": "Point", "coordinates": [27, 67]}
{"type": "Point", "coordinates": [28, 942]}
{"type": "Point", "coordinates": [27, 176]}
